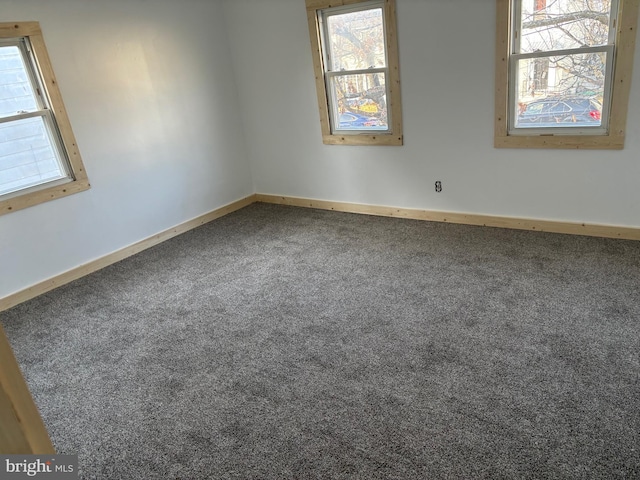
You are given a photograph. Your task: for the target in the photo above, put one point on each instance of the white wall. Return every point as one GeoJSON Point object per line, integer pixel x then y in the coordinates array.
{"type": "Point", "coordinates": [153, 103]}
{"type": "Point", "coordinates": [178, 106]}
{"type": "Point", "coordinates": [447, 78]}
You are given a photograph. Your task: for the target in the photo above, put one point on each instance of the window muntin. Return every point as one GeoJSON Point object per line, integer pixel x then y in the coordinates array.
{"type": "Point", "coordinates": [561, 50]}
{"type": "Point", "coordinates": [356, 68]}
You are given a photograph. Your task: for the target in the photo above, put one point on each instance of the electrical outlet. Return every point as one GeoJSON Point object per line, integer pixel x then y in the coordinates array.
{"type": "Point", "coordinates": [438, 186]}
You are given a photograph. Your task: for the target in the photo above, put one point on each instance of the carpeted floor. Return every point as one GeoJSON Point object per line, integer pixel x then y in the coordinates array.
{"type": "Point", "coordinates": [288, 343]}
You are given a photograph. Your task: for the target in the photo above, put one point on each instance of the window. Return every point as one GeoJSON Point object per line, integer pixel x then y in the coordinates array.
{"type": "Point", "coordinates": [39, 159]}
{"type": "Point", "coordinates": [563, 72]}
{"type": "Point", "coordinates": [357, 76]}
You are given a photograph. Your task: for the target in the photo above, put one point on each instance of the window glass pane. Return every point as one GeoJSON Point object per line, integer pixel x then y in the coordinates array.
{"type": "Point", "coordinates": [359, 101]}
{"type": "Point", "coordinates": [561, 91]}
{"type": "Point", "coordinates": [26, 155]}
{"type": "Point", "coordinates": [16, 92]}
{"type": "Point", "coordinates": [561, 24]}
{"type": "Point", "coordinates": [356, 40]}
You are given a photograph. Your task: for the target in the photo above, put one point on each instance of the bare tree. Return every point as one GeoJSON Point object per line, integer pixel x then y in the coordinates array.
{"type": "Point", "coordinates": [357, 43]}
{"type": "Point", "coordinates": [563, 25]}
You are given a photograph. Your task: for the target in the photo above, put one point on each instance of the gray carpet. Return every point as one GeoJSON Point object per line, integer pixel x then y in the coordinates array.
{"type": "Point", "coordinates": [282, 343]}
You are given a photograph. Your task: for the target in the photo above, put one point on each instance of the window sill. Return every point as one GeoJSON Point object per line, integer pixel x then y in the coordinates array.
{"type": "Point", "coordinates": [587, 142]}
{"type": "Point", "coordinates": [44, 195]}
{"type": "Point", "coordinates": [380, 139]}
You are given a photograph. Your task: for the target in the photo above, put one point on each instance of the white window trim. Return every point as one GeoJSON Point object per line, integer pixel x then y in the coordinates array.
{"type": "Point", "coordinates": [619, 87]}
{"type": "Point", "coordinates": [394, 135]}
{"type": "Point", "coordinates": [57, 117]}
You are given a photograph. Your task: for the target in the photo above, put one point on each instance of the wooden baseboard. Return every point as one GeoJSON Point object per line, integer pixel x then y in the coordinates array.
{"type": "Point", "coordinates": [22, 428]}
{"type": "Point", "coordinates": [78, 272]}
{"type": "Point", "coordinates": [592, 230]}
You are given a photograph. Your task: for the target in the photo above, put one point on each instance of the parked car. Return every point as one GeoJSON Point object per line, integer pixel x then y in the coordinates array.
{"type": "Point", "coordinates": [355, 121]}
{"type": "Point", "coordinates": [556, 112]}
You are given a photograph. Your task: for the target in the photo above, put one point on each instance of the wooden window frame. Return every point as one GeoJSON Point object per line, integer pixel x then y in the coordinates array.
{"type": "Point", "coordinates": [394, 136]}
{"type": "Point", "coordinates": [79, 180]}
{"type": "Point", "coordinates": [621, 84]}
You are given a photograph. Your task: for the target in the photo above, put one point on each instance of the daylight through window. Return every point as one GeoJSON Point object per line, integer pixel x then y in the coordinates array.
{"type": "Point", "coordinates": [562, 64]}
{"type": "Point", "coordinates": [38, 157]}
{"type": "Point", "coordinates": [359, 87]}
{"type": "Point", "coordinates": [29, 151]}
{"type": "Point", "coordinates": [356, 69]}
{"type": "Point", "coordinates": [565, 69]}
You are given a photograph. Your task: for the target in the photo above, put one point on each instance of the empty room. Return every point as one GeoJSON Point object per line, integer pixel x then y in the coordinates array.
{"type": "Point", "coordinates": [337, 239]}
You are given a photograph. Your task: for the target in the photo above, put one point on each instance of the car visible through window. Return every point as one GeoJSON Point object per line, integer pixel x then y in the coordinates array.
{"type": "Point", "coordinates": [553, 111]}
